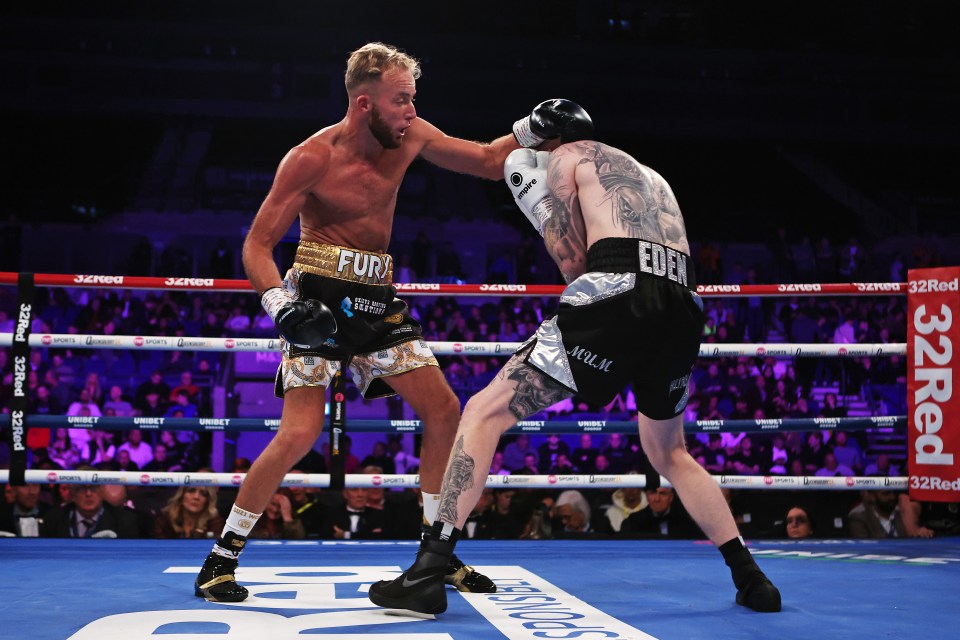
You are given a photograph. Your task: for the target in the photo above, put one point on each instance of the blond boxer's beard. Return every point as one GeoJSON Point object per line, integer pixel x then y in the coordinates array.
{"type": "Point", "coordinates": [381, 131]}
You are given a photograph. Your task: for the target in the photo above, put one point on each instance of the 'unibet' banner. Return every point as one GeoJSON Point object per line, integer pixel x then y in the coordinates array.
{"type": "Point", "coordinates": [933, 324]}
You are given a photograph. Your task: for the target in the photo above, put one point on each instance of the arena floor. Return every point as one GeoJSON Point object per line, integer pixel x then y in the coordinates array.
{"type": "Point", "coordinates": [672, 590]}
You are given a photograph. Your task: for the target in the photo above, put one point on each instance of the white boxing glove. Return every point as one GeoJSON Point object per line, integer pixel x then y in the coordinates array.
{"type": "Point", "coordinates": [525, 171]}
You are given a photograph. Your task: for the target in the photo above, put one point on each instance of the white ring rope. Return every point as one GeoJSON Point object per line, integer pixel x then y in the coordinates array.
{"type": "Point", "coordinates": [707, 350]}
{"type": "Point", "coordinates": [386, 481]}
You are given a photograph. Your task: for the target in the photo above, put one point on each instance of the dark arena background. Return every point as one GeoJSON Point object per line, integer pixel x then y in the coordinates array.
{"type": "Point", "coordinates": [814, 150]}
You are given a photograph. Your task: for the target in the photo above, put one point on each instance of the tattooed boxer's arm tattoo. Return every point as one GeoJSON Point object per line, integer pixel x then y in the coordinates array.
{"type": "Point", "coordinates": [564, 233]}
{"type": "Point", "coordinates": [457, 479]}
{"type": "Point", "coordinates": [534, 392]}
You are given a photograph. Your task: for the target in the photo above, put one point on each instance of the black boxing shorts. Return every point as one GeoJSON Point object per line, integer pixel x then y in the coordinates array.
{"type": "Point", "coordinates": [376, 334]}
{"type": "Point", "coordinates": [633, 317]}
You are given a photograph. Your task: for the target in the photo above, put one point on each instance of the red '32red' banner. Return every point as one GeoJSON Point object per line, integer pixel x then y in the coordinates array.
{"type": "Point", "coordinates": [933, 303]}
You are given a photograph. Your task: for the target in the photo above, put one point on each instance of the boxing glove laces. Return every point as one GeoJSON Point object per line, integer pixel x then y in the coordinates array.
{"type": "Point", "coordinates": [555, 118]}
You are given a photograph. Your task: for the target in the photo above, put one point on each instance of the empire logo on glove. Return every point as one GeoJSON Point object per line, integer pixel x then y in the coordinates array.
{"type": "Point", "coordinates": [526, 172]}
{"type": "Point", "coordinates": [517, 179]}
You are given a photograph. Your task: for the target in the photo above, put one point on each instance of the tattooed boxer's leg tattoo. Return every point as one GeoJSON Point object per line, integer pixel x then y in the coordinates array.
{"type": "Point", "coordinates": [457, 479]}
{"type": "Point", "coordinates": [535, 391]}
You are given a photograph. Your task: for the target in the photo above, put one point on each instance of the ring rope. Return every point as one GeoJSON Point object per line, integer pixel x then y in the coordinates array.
{"type": "Point", "coordinates": [384, 481]}
{"type": "Point", "coordinates": [707, 350]}
{"type": "Point", "coordinates": [429, 288]}
{"type": "Point", "coordinates": [768, 425]}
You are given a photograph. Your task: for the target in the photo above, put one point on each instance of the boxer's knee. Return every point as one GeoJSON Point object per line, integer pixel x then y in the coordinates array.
{"type": "Point", "coordinates": [668, 460]}
{"type": "Point", "coordinates": [443, 409]}
{"type": "Point", "coordinates": [293, 444]}
{"type": "Point", "coordinates": [483, 412]}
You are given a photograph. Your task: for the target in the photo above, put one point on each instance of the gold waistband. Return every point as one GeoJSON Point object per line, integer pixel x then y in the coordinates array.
{"type": "Point", "coordinates": [344, 263]}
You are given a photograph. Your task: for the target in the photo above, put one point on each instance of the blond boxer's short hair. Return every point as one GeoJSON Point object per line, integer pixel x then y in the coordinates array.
{"type": "Point", "coordinates": [372, 60]}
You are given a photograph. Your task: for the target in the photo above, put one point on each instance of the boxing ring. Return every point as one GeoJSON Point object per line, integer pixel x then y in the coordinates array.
{"type": "Point", "coordinates": [669, 590]}
{"type": "Point", "coordinates": [95, 589]}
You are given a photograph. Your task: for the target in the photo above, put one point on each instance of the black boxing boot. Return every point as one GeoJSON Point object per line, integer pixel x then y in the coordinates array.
{"type": "Point", "coordinates": [420, 590]}
{"type": "Point", "coordinates": [467, 579]}
{"type": "Point", "coordinates": [754, 589]}
{"type": "Point", "coordinates": [462, 576]}
{"type": "Point", "coordinates": [215, 581]}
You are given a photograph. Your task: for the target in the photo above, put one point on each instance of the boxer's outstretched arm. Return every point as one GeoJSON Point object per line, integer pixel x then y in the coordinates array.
{"type": "Point", "coordinates": [464, 156]}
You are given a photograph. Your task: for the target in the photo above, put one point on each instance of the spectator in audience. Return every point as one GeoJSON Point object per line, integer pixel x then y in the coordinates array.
{"type": "Point", "coordinates": [601, 464]}
{"type": "Point", "coordinates": [40, 402]}
{"type": "Point", "coordinates": [548, 452]}
{"type": "Point", "coordinates": [584, 456]}
{"type": "Point", "coordinates": [186, 384]}
{"type": "Point", "coordinates": [161, 461]}
{"type": "Point", "coordinates": [403, 462]}
{"type": "Point", "coordinates": [562, 466]}
{"type": "Point", "coordinates": [622, 453]}
{"type": "Point", "coordinates": [350, 462]}
{"type": "Point", "coordinates": [847, 452]}
{"type": "Point", "coordinates": [923, 519]}
{"type": "Point", "coordinates": [139, 451]}
{"type": "Point", "coordinates": [152, 407]}
{"type": "Point", "coordinates": [238, 323]}
{"type": "Point", "coordinates": [190, 513]}
{"type": "Point", "coordinates": [573, 512]}
{"type": "Point", "coordinates": [279, 520]}
{"type": "Point", "coordinates": [800, 409]}
{"type": "Point", "coordinates": [66, 367]}
{"type": "Point", "coordinates": [833, 468]}
{"type": "Point", "coordinates": [626, 502]}
{"type": "Point", "coordinates": [379, 458]}
{"type": "Point", "coordinates": [877, 516]}
{"type": "Point", "coordinates": [831, 408]}
{"type": "Point", "coordinates": [102, 450]}
{"type": "Point", "coordinates": [64, 452]}
{"type": "Point", "coordinates": [665, 517]}
{"type": "Point", "coordinates": [714, 456]}
{"type": "Point", "coordinates": [176, 450]}
{"type": "Point", "coordinates": [529, 467]}
{"type": "Point", "coordinates": [514, 454]}
{"type": "Point", "coordinates": [122, 462]}
{"type": "Point", "coordinates": [401, 511]}
{"type": "Point", "coordinates": [353, 520]}
{"type": "Point", "coordinates": [471, 526]}
{"type": "Point", "coordinates": [181, 407]}
{"type": "Point", "coordinates": [94, 388]}
{"type": "Point", "coordinates": [88, 516]}
{"type": "Point", "coordinates": [746, 459]}
{"type": "Point", "coordinates": [777, 456]}
{"type": "Point", "coordinates": [60, 393]}
{"type": "Point", "coordinates": [496, 465]}
{"type": "Point", "coordinates": [153, 386]}
{"type": "Point", "coordinates": [116, 495]}
{"type": "Point", "coordinates": [814, 453]}
{"type": "Point", "coordinates": [117, 403]}
{"type": "Point", "coordinates": [502, 519]}
{"type": "Point", "coordinates": [882, 467]}
{"type": "Point", "coordinates": [24, 516]}
{"type": "Point", "coordinates": [798, 523]}
{"type": "Point", "coordinates": [306, 507]}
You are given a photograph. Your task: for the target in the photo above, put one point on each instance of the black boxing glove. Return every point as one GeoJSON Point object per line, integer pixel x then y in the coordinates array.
{"type": "Point", "coordinates": [306, 324]}
{"type": "Point", "coordinates": [556, 118]}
